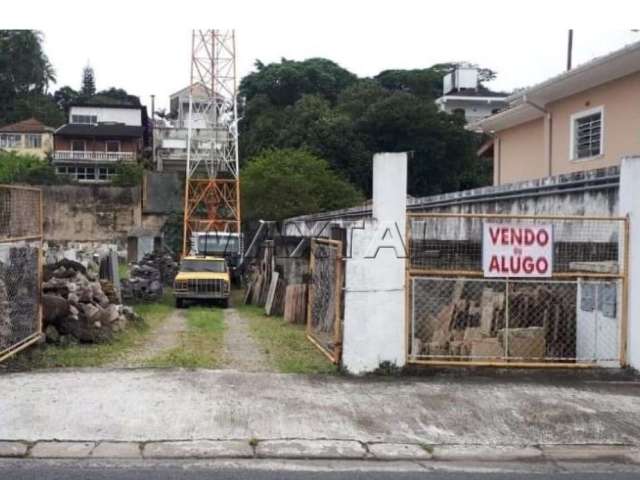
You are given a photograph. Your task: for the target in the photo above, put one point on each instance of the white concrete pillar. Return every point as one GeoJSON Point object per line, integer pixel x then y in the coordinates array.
{"type": "Point", "coordinates": [630, 205]}
{"type": "Point", "coordinates": [374, 317]}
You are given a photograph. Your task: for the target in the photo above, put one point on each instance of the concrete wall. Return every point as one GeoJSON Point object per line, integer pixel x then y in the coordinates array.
{"type": "Point", "coordinates": [374, 278]}
{"type": "Point", "coordinates": [582, 193]}
{"type": "Point", "coordinates": [90, 213]}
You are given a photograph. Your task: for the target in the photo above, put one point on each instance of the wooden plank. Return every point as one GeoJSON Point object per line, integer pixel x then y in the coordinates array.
{"type": "Point", "coordinates": [268, 306]}
{"type": "Point", "coordinates": [247, 293]}
{"type": "Point", "coordinates": [295, 303]}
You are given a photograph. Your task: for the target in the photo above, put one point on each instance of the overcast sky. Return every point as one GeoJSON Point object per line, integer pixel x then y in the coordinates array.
{"type": "Point", "coordinates": [144, 47]}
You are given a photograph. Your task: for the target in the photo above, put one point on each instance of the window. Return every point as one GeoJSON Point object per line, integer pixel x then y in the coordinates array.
{"type": "Point", "coordinates": [78, 145]}
{"type": "Point", "coordinates": [10, 140]}
{"type": "Point", "coordinates": [86, 173]}
{"type": "Point", "coordinates": [586, 134]}
{"type": "Point", "coordinates": [112, 146]}
{"type": "Point", "coordinates": [84, 119]}
{"type": "Point", "coordinates": [106, 173]}
{"type": "Point", "coordinates": [33, 140]}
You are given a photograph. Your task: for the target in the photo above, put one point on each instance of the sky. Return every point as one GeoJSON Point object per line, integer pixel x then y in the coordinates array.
{"type": "Point", "coordinates": [144, 46]}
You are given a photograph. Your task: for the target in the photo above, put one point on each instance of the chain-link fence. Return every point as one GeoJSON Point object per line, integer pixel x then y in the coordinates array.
{"type": "Point", "coordinates": [20, 268]}
{"type": "Point", "coordinates": [573, 317]}
{"type": "Point", "coordinates": [324, 326]}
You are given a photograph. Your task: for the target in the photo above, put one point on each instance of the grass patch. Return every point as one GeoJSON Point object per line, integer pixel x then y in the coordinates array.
{"type": "Point", "coordinates": [201, 345]}
{"type": "Point", "coordinates": [96, 355]}
{"type": "Point", "coordinates": [286, 345]}
{"type": "Point", "coordinates": [123, 271]}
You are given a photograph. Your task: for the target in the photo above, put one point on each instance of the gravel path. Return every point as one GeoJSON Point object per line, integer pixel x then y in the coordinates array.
{"type": "Point", "coordinates": [242, 352]}
{"type": "Point", "coordinates": [164, 338]}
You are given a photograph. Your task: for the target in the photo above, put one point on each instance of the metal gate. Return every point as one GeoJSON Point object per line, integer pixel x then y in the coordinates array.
{"type": "Point", "coordinates": [20, 268]}
{"type": "Point", "coordinates": [575, 318]}
{"type": "Point", "coordinates": [324, 307]}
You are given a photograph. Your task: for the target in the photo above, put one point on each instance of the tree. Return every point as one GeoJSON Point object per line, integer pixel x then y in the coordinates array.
{"type": "Point", "coordinates": [283, 183]}
{"type": "Point", "coordinates": [88, 88]}
{"type": "Point", "coordinates": [42, 107]}
{"type": "Point", "coordinates": [64, 97]}
{"type": "Point", "coordinates": [25, 70]}
{"type": "Point", "coordinates": [285, 82]}
{"type": "Point", "coordinates": [355, 118]}
{"type": "Point", "coordinates": [442, 148]}
{"type": "Point", "coordinates": [115, 95]}
{"type": "Point", "coordinates": [20, 168]}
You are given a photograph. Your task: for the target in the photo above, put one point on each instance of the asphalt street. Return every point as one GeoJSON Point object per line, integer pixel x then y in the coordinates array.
{"type": "Point", "coordinates": [48, 470]}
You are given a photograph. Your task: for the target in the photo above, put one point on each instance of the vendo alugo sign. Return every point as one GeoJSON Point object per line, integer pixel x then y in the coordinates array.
{"type": "Point", "coordinates": [510, 250]}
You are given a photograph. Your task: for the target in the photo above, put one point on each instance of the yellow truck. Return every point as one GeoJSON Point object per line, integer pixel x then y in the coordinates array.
{"type": "Point", "coordinates": [202, 278]}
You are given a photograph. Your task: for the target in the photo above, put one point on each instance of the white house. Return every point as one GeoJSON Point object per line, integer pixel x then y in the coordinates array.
{"type": "Point", "coordinates": [463, 94]}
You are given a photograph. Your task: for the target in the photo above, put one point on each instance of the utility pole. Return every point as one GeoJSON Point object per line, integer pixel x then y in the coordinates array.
{"type": "Point", "coordinates": [212, 187]}
{"type": "Point", "coordinates": [569, 48]}
{"type": "Point", "coordinates": [153, 132]}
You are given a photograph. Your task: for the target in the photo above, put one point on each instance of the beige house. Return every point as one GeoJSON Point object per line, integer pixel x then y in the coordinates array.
{"type": "Point", "coordinates": [28, 137]}
{"type": "Point", "coordinates": [582, 119]}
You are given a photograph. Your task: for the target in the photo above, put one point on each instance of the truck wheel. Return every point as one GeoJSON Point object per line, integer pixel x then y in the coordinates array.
{"type": "Point", "coordinates": [179, 303]}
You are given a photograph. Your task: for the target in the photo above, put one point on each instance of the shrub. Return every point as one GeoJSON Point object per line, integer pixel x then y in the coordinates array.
{"type": "Point", "coordinates": [18, 168]}
{"type": "Point", "coordinates": [128, 175]}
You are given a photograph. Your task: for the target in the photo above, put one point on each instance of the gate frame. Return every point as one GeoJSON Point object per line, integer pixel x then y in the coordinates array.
{"type": "Point", "coordinates": [336, 355]}
{"type": "Point", "coordinates": [34, 337]}
{"type": "Point", "coordinates": [623, 260]}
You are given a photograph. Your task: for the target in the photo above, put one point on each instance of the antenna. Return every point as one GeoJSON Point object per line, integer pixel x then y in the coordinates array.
{"type": "Point", "coordinates": [212, 189]}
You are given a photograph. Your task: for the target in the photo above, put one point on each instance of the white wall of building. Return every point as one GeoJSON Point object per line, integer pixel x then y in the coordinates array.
{"type": "Point", "coordinates": [128, 116]}
{"type": "Point", "coordinates": [374, 317]}
{"type": "Point", "coordinates": [630, 205]}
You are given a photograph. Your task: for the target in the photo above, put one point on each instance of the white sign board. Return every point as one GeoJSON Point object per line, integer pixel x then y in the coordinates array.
{"type": "Point", "coordinates": [517, 250]}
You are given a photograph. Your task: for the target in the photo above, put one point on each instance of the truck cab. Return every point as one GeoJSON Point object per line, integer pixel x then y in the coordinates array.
{"type": "Point", "coordinates": [202, 277]}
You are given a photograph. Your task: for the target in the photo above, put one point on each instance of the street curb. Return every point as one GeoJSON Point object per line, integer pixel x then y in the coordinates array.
{"type": "Point", "coordinates": [320, 449]}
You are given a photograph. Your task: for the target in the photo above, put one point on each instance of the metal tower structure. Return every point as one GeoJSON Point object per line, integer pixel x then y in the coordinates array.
{"type": "Point", "coordinates": [212, 188]}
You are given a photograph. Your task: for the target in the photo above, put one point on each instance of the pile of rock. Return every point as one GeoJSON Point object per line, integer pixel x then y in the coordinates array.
{"type": "Point", "coordinates": [147, 278]}
{"type": "Point", "coordinates": [78, 307]}
{"type": "Point", "coordinates": [164, 263]}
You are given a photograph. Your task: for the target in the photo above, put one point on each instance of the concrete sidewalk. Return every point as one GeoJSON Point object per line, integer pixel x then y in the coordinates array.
{"type": "Point", "coordinates": [425, 416]}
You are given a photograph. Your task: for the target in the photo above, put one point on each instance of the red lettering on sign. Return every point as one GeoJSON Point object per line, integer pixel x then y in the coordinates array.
{"type": "Point", "coordinates": [493, 234]}
{"type": "Point", "coordinates": [528, 265]}
{"type": "Point", "coordinates": [542, 237]}
{"type": "Point", "coordinates": [493, 265]}
{"type": "Point", "coordinates": [529, 236]}
{"type": "Point", "coordinates": [542, 265]}
{"type": "Point", "coordinates": [516, 236]}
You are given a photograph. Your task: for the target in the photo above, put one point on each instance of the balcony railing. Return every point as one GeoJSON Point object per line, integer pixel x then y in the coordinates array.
{"type": "Point", "coordinates": [93, 156]}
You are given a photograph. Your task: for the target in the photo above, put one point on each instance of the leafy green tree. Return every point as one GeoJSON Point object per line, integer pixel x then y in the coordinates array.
{"type": "Point", "coordinates": [115, 95]}
{"type": "Point", "coordinates": [88, 88]}
{"type": "Point", "coordinates": [42, 107]}
{"type": "Point", "coordinates": [426, 82]}
{"type": "Point", "coordinates": [25, 70]}
{"type": "Point", "coordinates": [65, 96]}
{"type": "Point", "coordinates": [285, 82]}
{"type": "Point", "coordinates": [128, 174]}
{"type": "Point", "coordinates": [441, 148]}
{"type": "Point", "coordinates": [282, 183]}
{"type": "Point", "coordinates": [19, 168]}
{"type": "Point", "coordinates": [286, 108]}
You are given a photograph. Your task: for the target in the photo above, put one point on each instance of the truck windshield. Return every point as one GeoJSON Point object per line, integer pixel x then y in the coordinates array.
{"type": "Point", "coordinates": [215, 266]}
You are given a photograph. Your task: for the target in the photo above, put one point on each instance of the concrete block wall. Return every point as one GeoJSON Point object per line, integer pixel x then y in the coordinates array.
{"type": "Point", "coordinates": [90, 213]}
